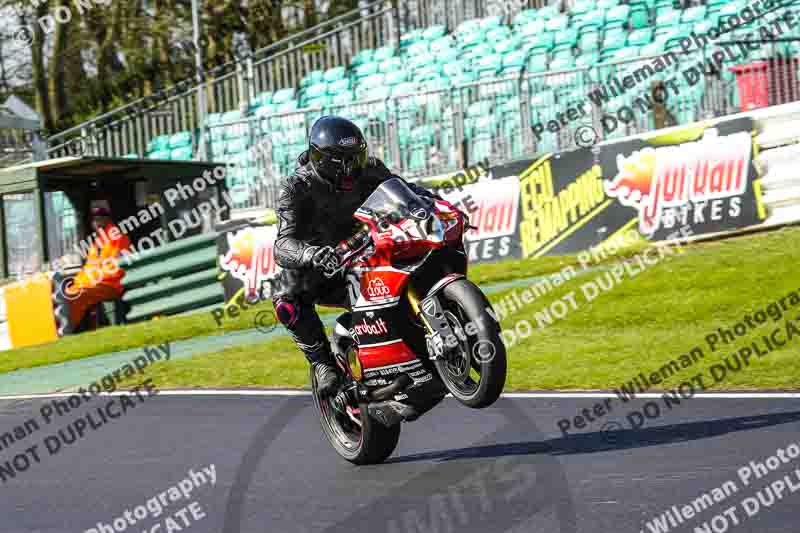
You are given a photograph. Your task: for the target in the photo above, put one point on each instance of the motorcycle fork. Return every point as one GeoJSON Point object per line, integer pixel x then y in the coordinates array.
{"type": "Point", "coordinates": [431, 312]}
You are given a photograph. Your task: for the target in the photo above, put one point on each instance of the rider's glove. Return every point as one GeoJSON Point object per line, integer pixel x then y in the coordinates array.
{"type": "Point", "coordinates": [322, 257]}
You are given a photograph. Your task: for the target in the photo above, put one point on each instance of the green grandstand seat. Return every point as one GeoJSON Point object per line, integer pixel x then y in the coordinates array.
{"type": "Point", "coordinates": [266, 109]}
{"type": "Point", "coordinates": [339, 86]}
{"type": "Point", "coordinates": [396, 77]}
{"type": "Point", "coordinates": [132, 155]}
{"type": "Point", "coordinates": [507, 45]}
{"type": "Point", "coordinates": [482, 50]}
{"type": "Point", "coordinates": [531, 27]}
{"type": "Point", "coordinates": [403, 89]}
{"type": "Point", "coordinates": [442, 43]}
{"type": "Point", "coordinates": [515, 58]}
{"type": "Point", "coordinates": [321, 101]}
{"type": "Point", "coordinates": [491, 21]}
{"type": "Point", "coordinates": [628, 52]}
{"type": "Point", "coordinates": [410, 37]}
{"type": "Point", "coordinates": [542, 42]}
{"type": "Point", "coordinates": [589, 41]}
{"type": "Point", "coordinates": [434, 84]}
{"type": "Point", "coordinates": [525, 16]}
{"type": "Point", "coordinates": [180, 139]}
{"type": "Point", "coordinates": [159, 154]}
{"type": "Point", "coordinates": [587, 59]}
{"type": "Point", "coordinates": [370, 82]}
{"type": "Point", "coordinates": [315, 91]}
{"type": "Point", "coordinates": [434, 32]}
{"type": "Point", "coordinates": [343, 98]}
{"type": "Point", "coordinates": [666, 10]}
{"type": "Point", "coordinates": [549, 11]}
{"type": "Point", "coordinates": [470, 38]}
{"type": "Point", "coordinates": [561, 51]}
{"type": "Point", "coordinates": [673, 38]}
{"type": "Point", "coordinates": [579, 8]}
{"type": "Point", "coordinates": [420, 60]}
{"type": "Point", "coordinates": [607, 4]}
{"type": "Point", "coordinates": [467, 76]}
{"type": "Point", "coordinates": [184, 153]}
{"type": "Point", "coordinates": [390, 65]}
{"type": "Point", "coordinates": [261, 99]}
{"type": "Point", "coordinates": [366, 69]}
{"type": "Point", "coordinates": [454, 68]}
{"type": "Point", "coordinates": [158, 143]}
{"type": "Point", "coordinates": [652, 49]}
{"type": "Point", "coordinates": [614, 39]}
{"type": "Point", "coordinates": [537, 63]}
{"type": "Point", "coordinates": [568, 36]}
{"type": "Point", "coordinates": [289, 105]}
{"type": "Point", "coordinates": [315, 76]}
{"type": "Point", "coordinates": [383, 53]}
{"type": "Point", "coordinates": [693, 15]}
{"type": "Point", "coordinates": [420, 47]}
{"type": "Point", "coordinates": [498, 34]}
{"type": "Point", "coordinates": [618, 15]}
{"type": "Point", "coordinates": [448, 55]}
{"type": "Point", "coordinates": [639, 17]}
{"type": "Point", "coordinates": [562, 63]}
{"type": "Point", "coordinates": [236, 145]}
{"type": "Point", "coordinates": [283, 95]}
{"type": "Point", "coordinates": [432, 70]}
{"type": "Point", "coordinates": [594, 19]}
{"type": "Point", "coordinates": [370, 93]}
{"type": "Point", "coordinates": [640, 37]}
{"type": "Point", "coordinates": [335, 74]}
{"type": "Point", "coordinates": [557, 24]}
{"type": "Point", "coordinates": [489, 65]}
{"type": "Point", "coordinates": [362, 56]}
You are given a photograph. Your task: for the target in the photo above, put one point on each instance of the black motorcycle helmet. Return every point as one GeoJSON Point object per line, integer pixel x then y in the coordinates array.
{"type": "Point", "coordinates": [337, 151]}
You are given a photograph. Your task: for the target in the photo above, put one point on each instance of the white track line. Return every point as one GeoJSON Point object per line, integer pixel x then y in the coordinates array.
{"type": "Point", "coordinates": [530, 395]}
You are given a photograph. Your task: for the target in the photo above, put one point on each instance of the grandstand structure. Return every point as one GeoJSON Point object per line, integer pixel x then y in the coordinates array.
{"type": "Point", "coordinates": [435, 90]}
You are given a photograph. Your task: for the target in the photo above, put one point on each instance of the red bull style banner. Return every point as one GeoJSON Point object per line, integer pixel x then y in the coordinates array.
{"type": "Point", "coordinates": [701, 177]}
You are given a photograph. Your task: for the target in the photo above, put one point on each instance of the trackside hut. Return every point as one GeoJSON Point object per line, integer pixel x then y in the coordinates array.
{"type": "Point", "coordinates": [45, 206]}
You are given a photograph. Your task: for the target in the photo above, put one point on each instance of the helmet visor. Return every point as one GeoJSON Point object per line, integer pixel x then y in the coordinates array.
{"type": "Point", "coordinates": [339, 166]}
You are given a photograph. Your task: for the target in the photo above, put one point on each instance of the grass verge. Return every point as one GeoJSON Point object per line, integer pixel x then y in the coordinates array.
{"type": "Point", "coordinates": [642, 323]}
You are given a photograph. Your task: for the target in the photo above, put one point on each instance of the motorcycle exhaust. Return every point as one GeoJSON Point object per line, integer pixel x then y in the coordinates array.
{"type": "Point", "coordinates": [387, 392]}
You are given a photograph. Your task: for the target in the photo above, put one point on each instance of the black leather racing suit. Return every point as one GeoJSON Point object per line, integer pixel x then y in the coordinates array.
{"type": "Point", "coordinates": [311, 213]}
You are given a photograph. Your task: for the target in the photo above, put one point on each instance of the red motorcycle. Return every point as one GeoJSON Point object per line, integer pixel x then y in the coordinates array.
{"type": "Point", "coordinates": [417, 328]}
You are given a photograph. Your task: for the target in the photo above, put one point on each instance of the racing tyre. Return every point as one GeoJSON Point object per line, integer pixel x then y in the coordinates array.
{"type": "Point", "coordinates": [354, 434]}
{"type": "Point", "coordinates": [475, 371]}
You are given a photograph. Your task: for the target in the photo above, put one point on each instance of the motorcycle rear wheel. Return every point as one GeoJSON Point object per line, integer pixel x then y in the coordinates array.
{"type": "Point", "coordinates": [369, 443]}
{"type": "Point", "coordinates": [475, 372]}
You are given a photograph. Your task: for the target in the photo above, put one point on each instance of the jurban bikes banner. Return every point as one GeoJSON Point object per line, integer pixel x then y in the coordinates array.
{"type": "Point", "coordinates": [701, 177]}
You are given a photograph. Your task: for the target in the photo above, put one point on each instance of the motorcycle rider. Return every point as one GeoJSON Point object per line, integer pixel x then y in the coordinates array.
{"type": "Point", "coordinates": [315, 210]}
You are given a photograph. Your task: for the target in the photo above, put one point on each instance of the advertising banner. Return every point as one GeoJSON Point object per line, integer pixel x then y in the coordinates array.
{"type": "Point", "coordinates": [492, 206]}
{"type": "Point", "coordinates": [246, 259]}
{"type": "Point", "coordinates": [701, 177]}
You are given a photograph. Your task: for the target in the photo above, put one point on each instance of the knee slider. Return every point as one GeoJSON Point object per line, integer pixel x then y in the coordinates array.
{"type": "Point", "coordinates": [287, 312]}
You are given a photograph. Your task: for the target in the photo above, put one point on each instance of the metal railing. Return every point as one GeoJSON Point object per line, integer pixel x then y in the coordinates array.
{"type": "Point", "coordinates": [435, 132]}
{"type": "Point", "coordinates": [283, 64]}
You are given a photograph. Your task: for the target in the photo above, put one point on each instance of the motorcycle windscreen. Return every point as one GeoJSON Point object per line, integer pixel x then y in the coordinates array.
{"type": "Point", "coordinates": [395, 200]}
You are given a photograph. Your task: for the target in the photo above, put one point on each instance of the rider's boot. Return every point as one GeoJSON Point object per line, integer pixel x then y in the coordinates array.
{"type": "Point", "coordinates": [326, 372]}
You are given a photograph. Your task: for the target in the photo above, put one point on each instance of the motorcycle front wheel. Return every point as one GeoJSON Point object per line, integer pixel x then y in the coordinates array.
{"type": "Point", "coordinates": [355, 435]}
{"type": "Point", "coordinates": [474, 371]}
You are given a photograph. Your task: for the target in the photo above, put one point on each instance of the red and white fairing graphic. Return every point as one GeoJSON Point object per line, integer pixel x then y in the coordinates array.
{"type": "Point", "coordinates": [653, 179]}
{"type": "Point", "coordinates": [381, 349]}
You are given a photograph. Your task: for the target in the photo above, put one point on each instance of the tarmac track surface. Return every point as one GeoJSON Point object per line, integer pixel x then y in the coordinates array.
{"type": "Point", "coordinates": [507, 468]}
